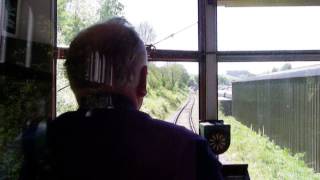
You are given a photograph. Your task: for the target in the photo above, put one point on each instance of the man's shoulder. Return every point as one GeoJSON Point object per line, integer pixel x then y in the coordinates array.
{"type": "Point", "coordinates": [138, 118]}
{"type": "Point", "coordinates": [67, 115]}
{"type": "Point", "coordinates": [66, 118]}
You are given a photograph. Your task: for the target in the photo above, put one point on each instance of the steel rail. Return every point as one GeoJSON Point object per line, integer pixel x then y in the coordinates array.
{"type": "Point", "coordinates": [190, 103]}
{"type": "Point", "coordinates": [190, 115]}
{"type": "Point", "coordinates": [180, 112]}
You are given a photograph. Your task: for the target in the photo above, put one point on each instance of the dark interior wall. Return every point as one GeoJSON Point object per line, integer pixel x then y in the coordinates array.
{"type": "Point", "coordinates": [26, 58]}
{"type": "Point", "coordinates": [30, 41]}
{"type": "Point", "coordinates": [35, 16]}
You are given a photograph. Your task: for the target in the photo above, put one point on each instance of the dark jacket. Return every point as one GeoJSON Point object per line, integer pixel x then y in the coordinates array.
{"type": "Point", "coordinates": [123, 143]}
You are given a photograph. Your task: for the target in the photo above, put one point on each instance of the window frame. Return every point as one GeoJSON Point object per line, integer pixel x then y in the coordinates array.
{"type": "Point", "coordinates": [208, 58]}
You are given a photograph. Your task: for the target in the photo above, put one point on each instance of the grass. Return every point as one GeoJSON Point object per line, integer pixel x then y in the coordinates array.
{"type": "Point", "coordinates": [266, 160]}
{"type": "Point", "coordinates": [161, 103]}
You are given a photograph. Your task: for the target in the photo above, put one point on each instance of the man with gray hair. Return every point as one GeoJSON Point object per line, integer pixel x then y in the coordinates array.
{"type": "Point", "coordinates": [108, 137]}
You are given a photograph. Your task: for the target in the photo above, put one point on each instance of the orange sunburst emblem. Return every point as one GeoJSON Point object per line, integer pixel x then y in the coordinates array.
{"type": "Point", "coordinates": [217, 142]}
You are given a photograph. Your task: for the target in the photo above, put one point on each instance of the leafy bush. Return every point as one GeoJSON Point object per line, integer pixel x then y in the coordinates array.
{"type": "Point", "coordinates": [167, 90]}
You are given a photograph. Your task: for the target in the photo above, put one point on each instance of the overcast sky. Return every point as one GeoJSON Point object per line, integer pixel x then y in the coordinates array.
{"type": "Point", "coordinates": [251, 28]}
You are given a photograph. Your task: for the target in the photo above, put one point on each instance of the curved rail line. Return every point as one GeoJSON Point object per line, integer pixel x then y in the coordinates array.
{"type": "Point", "coordinates": [190, 103]}
{"type": "Point", "coordinates": [190, 115]}
{"type": "Point", "coordinates": [181, 110]}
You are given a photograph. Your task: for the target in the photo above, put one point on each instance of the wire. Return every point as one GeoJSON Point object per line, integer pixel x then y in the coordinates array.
{"type": "Point", "coordinates": [173, 34]}
{"type": "Point", "coordinates": [63, 88]}
{"type": "Point", "coordinates": [152, 46]}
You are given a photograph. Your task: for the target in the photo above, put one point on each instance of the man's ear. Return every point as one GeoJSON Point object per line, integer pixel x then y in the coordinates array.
{"type": "Point", "coordinates": [142, 84]}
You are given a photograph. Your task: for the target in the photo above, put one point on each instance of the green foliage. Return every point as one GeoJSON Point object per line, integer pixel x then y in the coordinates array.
{"type": "Point", "coordinates": [109, 8]}
{"type": "Point", "coordinates": [194, 81]}
{"type": "Point", "coordinates": [66, 100]}
{"type": "Point", "coordinates": [266, 159]}
{"type": "Point", "coordinates": [22, 102]}
{"type": "Point", "coordinates": [171, 77]}
{"type": "Point", "coordinates": [161, 102]}
{"type": "Point", "coordinates": [75, 15]}
{"type": "Point", "coordinates": [167, 90]}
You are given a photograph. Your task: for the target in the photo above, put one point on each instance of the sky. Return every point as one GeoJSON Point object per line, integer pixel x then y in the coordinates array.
{"type": "Point", "coordinates": [239, 28]}
{"type": "Point", "coordinates": [260, 67]}
{"type": "Point", "coordinates": [268, 28]}
{"type": "Point", "coordinates": [168, 17]}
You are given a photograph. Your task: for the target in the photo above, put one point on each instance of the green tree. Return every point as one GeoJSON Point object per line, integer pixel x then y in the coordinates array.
{"type": "Point", "coordinates": [194, 81]}
{"type": "Point", "coordinates": [167, 89]}
{"type": "Point", "coordinates": [75, 15]}
{"type": "Point", "coordinates": [154, 76]}
{"type": "Point", "coordinates": [174, 76]}
{"type": "Point", "coordinates": [109, 8]}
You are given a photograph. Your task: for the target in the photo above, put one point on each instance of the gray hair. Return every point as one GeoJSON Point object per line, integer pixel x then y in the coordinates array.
{"type": "Point", "coordinates": [110, 53]}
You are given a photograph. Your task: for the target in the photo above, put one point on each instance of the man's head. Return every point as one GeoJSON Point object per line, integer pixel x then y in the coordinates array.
{"type": "Point", "coordinates": [108, 58]}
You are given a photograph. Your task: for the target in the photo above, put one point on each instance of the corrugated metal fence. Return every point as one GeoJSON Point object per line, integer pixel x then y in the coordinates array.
{"type": "Point", "coordinates": [287, 110]}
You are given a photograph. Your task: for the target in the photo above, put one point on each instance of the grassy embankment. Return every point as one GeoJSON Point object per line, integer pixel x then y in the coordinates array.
{"type": "Point", "coordinates": [167, 90]}
{"type": "Point", "coordinates": [165, 95]}
{"type": "Point", "coordinates": [66, 100]}
{"type": "Point", "coordinates": [266, 159]}
{"type": "Point", "coordinates": [161, 103]}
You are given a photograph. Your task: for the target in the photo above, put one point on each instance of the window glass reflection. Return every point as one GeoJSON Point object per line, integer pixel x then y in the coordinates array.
{"type": "Point", "coordinates": [26, 50]}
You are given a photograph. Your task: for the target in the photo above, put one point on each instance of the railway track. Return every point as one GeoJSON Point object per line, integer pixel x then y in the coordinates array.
{"type": "Point", "coordinates": [184, 116]}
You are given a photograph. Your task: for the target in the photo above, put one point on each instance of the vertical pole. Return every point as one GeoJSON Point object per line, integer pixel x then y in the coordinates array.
{"type": "Point", "coordinates": [208, 60]}
{"type": "Point", "coordinates": [54, 59]}
{"type": "Point", "coordinates": [202, 58]}
{"type": "Point", "coordinates": [2, 28]}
